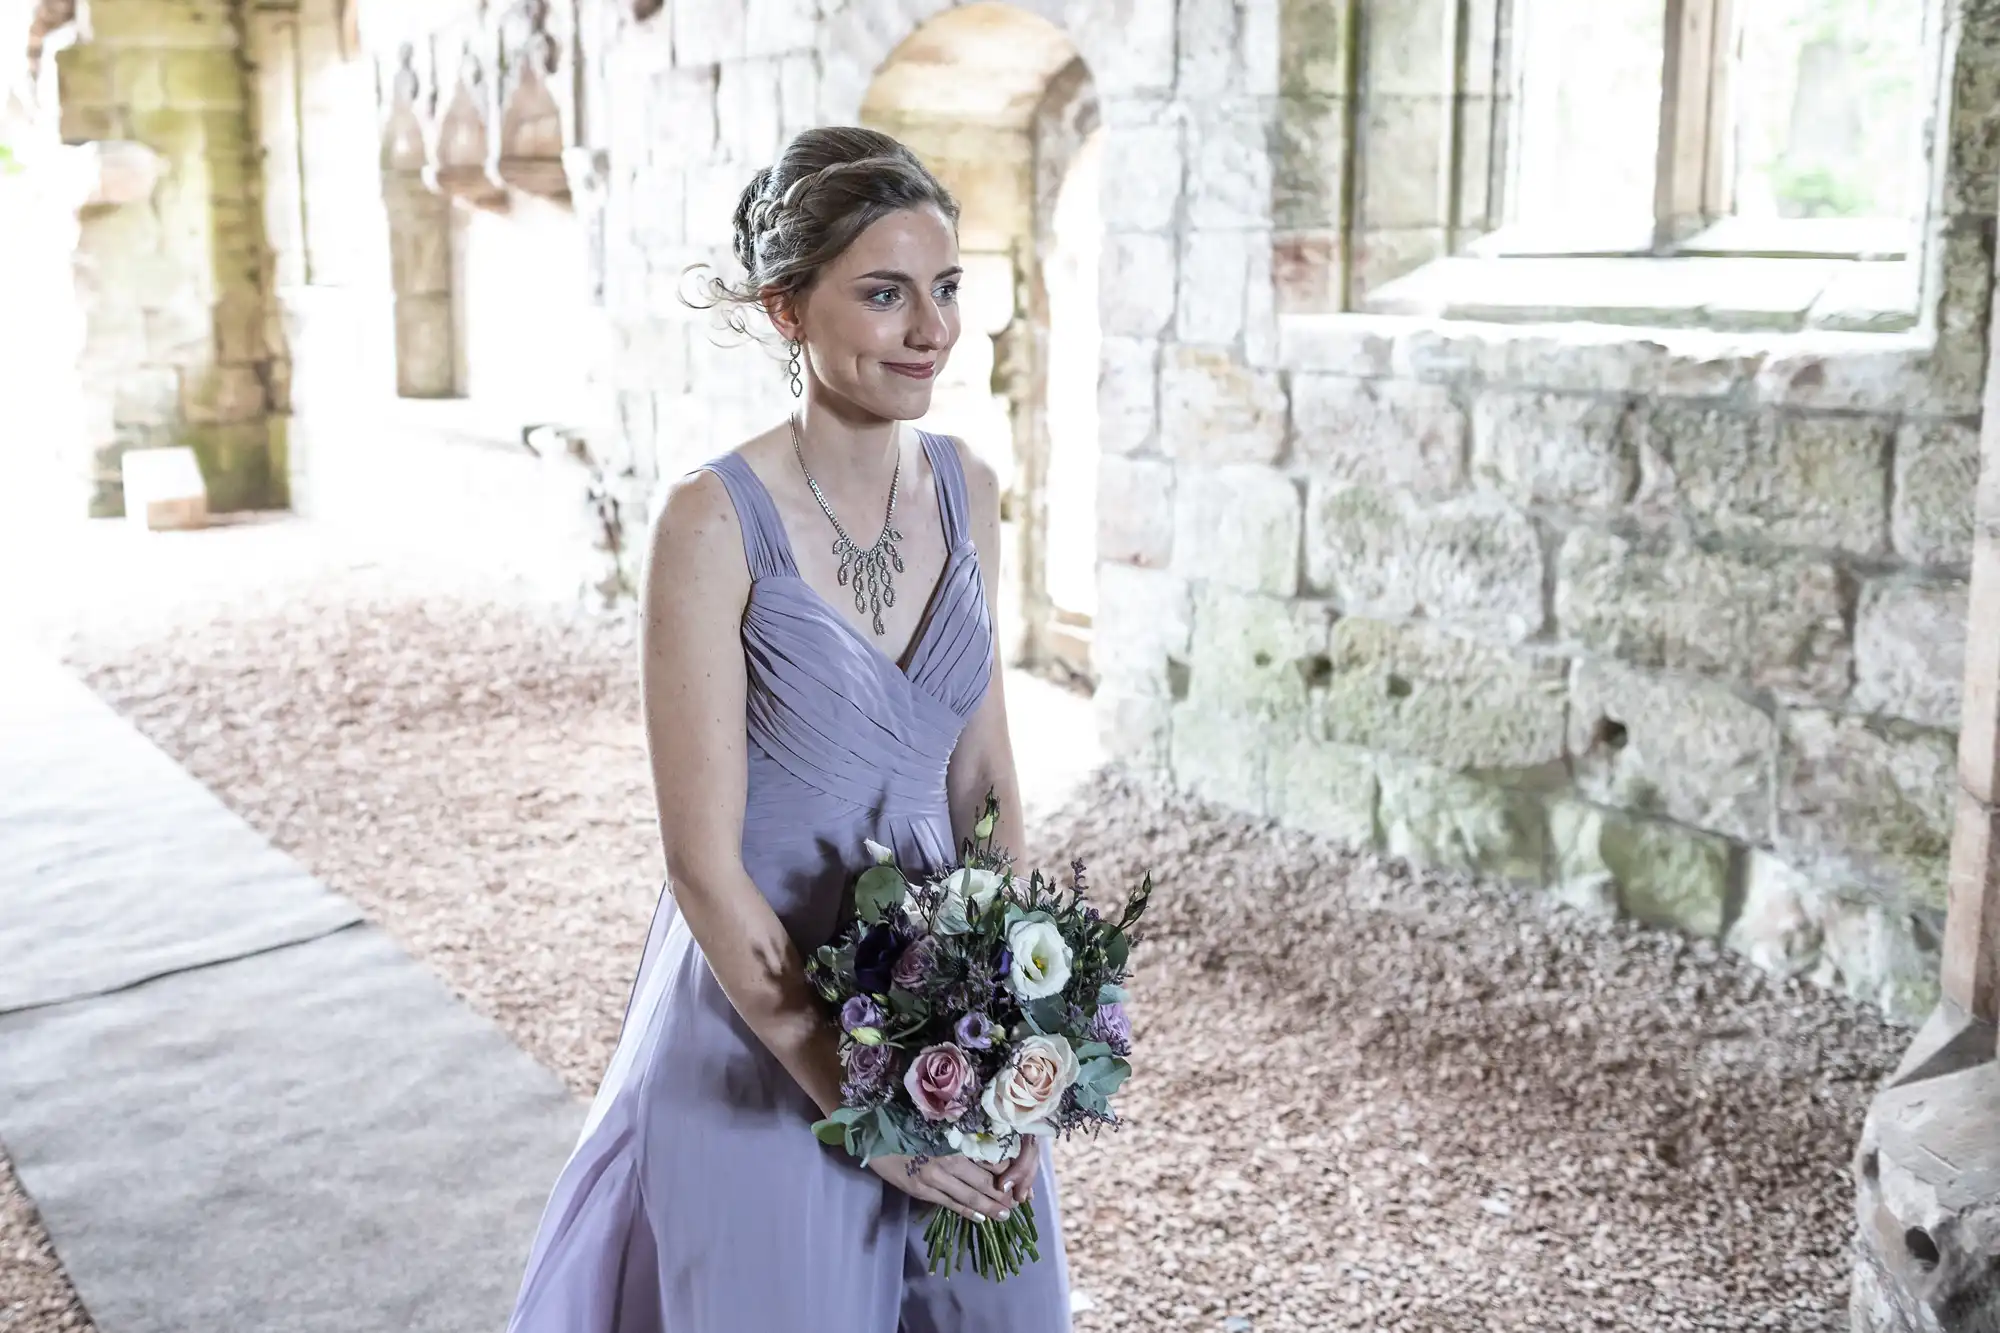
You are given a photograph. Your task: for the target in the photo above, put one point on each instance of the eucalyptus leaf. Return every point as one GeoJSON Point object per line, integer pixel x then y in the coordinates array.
{"type": "Point", "coordinates": [1117, 949]}
{"type": "Point", "coordinates": [1112, 993]}
{"type": "Point", "coordinates": [1103, 1075]}
{"type": "Point", "coordinates": [1092, 1050]}
{"type": "Point", "coordinates": [1047, 1015]}
{"type": "Point", "coordinates": [878, 893]}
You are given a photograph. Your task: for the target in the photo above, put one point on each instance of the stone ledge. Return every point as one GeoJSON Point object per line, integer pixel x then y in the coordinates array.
{"type": "Point", "coordinates": [1814, 369]}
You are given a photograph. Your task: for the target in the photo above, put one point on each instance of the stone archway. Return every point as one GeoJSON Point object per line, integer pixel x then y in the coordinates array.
{"type": "Point", "coordinates": [996, 99]}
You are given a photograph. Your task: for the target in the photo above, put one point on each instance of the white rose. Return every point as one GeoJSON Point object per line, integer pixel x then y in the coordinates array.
{"type": "Point", "coordinates": [976, 888]}
{"type": "Point", "coordinates": [989, 1147]}
{"type": "Point", "coordinates": [1023, 1096]}
{"type": "Point", "coordinates": [1041, 959]}
{"type": "Point", "coordinates": [883, 856]}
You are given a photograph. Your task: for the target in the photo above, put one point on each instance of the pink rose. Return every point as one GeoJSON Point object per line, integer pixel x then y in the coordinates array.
{"type": "Point", "coordinates": [940, 1082]}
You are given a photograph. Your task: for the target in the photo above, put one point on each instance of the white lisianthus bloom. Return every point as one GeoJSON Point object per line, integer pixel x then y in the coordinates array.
{"type": "Point", "coordinates": [884, 856]}
{"type": "Point", "coordinates": [1023, 1096]}
{"type": "Point", "coordinates": [975, 888]}
{"type": "Point", "coordinates": [1040, 966]}
{"type": "Point", "coordinates": [987, 1147]}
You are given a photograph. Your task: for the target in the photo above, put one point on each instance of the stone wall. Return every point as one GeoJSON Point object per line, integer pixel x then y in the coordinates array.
{"type": "Point", "coordinates": [1671, 623]}
{"type": "Point", "coordinates": [182, 344]}
{"type": "Point", "coordinates": [1668, 622]}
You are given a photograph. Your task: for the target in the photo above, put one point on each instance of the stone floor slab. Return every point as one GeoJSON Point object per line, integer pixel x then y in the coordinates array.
{"type": "Point", "coordinates": [314, 1139]}
{"type": "Point", "coordinates": [118, 866]}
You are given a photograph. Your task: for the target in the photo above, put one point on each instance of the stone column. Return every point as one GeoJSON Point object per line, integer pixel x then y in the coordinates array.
{"type": "Point", "coordinates": [1928, 1166]}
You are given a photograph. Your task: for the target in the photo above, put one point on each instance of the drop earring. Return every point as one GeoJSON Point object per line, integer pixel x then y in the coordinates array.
{"type": "Point", "coordinates": [792, 367]}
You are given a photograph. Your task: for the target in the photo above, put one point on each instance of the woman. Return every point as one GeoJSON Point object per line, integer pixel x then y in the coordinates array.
{"type": "Point", "coordinates": [807, 685]}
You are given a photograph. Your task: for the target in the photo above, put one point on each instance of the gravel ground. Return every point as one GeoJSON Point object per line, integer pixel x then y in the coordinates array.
{"type": "Point", "coordinates": [1367, 1097]}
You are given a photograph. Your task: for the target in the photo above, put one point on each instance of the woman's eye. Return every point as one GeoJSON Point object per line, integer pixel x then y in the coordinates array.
{"type": "Point", "coordinates": [884, 298]}
{"type": "Point", "coordinates": [947, 293]}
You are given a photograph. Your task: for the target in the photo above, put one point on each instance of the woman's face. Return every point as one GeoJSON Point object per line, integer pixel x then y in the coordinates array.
{"type": "Point", "coordinates": [881, 320]}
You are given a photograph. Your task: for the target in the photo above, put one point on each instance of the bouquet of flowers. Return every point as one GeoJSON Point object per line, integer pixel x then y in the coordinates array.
{"type": "Point", "coordinates": [976, 1009]}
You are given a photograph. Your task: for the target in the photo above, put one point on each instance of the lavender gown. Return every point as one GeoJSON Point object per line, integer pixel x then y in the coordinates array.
{"type": "Point", "coordinates": [697, 1199]}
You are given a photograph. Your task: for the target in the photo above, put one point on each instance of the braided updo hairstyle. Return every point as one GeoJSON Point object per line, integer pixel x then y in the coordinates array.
{"type": "Point", "coordinates": [827, 187]}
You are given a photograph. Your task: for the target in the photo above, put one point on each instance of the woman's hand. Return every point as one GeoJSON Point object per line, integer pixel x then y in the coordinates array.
{"type": "Point", "coordinates": [966, 1187]}
{"type": "Point", "coordinates": [1017, 1178]}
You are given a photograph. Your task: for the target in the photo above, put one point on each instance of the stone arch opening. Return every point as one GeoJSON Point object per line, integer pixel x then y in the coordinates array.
{"type": "Point", "coordinates": [996, 100]}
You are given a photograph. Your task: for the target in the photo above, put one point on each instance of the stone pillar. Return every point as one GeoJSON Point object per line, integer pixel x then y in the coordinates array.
{"type": "Point", "coordinates": [1928, 1166]}
{"type": "Point", "coordinates": [419, 249]}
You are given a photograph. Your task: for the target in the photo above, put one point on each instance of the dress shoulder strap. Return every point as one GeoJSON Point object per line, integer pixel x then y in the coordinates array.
{"type": "Point", "coordinates": [766, 548]}
{"type": "Point", "coordinates": [952, 502]}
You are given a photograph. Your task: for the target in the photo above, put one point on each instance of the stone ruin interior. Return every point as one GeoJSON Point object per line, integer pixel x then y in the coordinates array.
{"type": "Point", "coordinates": [1537, 437]}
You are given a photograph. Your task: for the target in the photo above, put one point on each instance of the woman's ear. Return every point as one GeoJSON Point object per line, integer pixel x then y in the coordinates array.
{"type": "Point", "coordinates": [783, 315]}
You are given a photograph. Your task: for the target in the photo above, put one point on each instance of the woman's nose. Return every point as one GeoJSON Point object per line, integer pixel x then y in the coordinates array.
{"type": "Point", "coordinates": [928, 331]}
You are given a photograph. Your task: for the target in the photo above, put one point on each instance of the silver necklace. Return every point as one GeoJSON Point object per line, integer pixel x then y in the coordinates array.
{"type": "Point", "coordinates": [869, 570]}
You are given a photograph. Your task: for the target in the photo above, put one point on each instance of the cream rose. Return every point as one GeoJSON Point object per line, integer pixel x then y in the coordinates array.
{"type": "Point", "coordinates": [1023, 1096]}
{"type": "Point", "coordinates": [973, 887]}
{"type": "Point", "coordinates": [1040, 964]}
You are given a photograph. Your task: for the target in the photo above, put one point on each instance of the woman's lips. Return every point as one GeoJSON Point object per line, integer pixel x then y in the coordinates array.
{"type": "Point", "coordinates": [916, 370]}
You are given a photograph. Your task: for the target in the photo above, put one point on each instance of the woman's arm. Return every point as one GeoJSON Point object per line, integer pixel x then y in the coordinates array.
{"type": "Point", "coordinates": [693, 684]}
{"type": "Point", "coordinates": [985, 754]}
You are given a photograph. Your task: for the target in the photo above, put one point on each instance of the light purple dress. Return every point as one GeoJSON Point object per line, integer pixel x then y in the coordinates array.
{"type": "Point", "coordinates": [698, 1200]}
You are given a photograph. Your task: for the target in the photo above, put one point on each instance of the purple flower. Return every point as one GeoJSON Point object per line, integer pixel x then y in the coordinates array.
{"type": "Point", "coordinates": [1112, 1026]}
{"type": "Point", "coordinates": [915, 963]}
{"type": "Point", "coordinates": [875, 958]}
{"type": "Point", "coordinates": [1006, 961]}
{"type": "Point", "coordinates": [974, 1032]}
{"type": "Point", "coordinates": [868, 1067]}
{"type": "Point", "coordinates": [860, 1012]}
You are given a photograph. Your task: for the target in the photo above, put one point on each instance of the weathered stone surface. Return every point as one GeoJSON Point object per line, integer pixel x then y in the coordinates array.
{"type": "Point", "coordinates": [1777, 477]}
{"type": "Point", "coordinates": [1135, 511]}
{"type": "Point", "coordinates": [1555, 449]}
{"type": "Point", "coordinates": [1778, 927]}
{"type": "Point", "coordinates": [1136, 284]}
{"type": "Point", "coordinates": [1937, 472]}
{"type": "Point", "coordinates": [1239, 526]}
{"type": "Point", "coordinates": [203, 78]}
{"type": "Point", "coordinates": [747, 110]}
{"type": "Point", "coordinates": [223, 393]}
{"type": "Point", "coordinates": [1214, 410]}
{"type": "Point", "coordinates": [709, 34]}
{"type": "Point", "coordinates": [1866, 802]}
{"type": "Point", "coordinates": [1404, 167]}
{"type": "Point", "coordinates": [775, 27]}
{"type": "Point", "coordinates": [1454, 702]}
{"type": "Point", "coordinates": [1693, 751]}
{"type": "Point", "coordinates": [1438, 818]}
{"type": "Point", "coordinates": [1229, 167]}
{"type": "Point", "coordinates": [1133, 731]}
{"type": "Point", "coordinates": [1143, 623]}
{"type": "Point", "coordinates": [1411, 48]}
{"type": "Point", "coordinates": [1130, 48]}
{"type": "Point", "coordinates": [123, 22]}
{"type": "Point", "coordinates": [148, 396]}
{"type": "Point", "coordinates": [1218, 757]}
{"type": "Point", "coordinates": [1390, 433]}
{"type": "Point", "coordinates": [1380, 255]}
{"type": "Point", "coordinates": [1313, 46]}
{"type": "Point", "coordinates": [1309, 158]}
{"type": "Point", "coordinates": [1770, 621]}
{"type": "Point", "coordinates": [1209, 47]}
{"type": "Point", "coordinates": [1324, 789]}
{"type": "Point", "coordinates": [1143, 171]}
{"type": "Point", "coordinates": [1660, 874]}
{"type": "Point", "coordinates": [1254, 655]}
{"type": "Point", "coordinates": [237, 462]}
{"type": "Point", "coordinates": [1341, 345]}
{"type": "Point", "coordinates": [1214, 274]}
{"type": "Point", "coordinates": [1909, 651]}
{"type": "Point", "coordinates": [1128, 380]}
{"type": "Point", "coordinates": [1473, 561]}
{"type": "Point", "coordinates": [1879, 955]}
{"type": "Point", "coordinates": [1927, 1202]}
